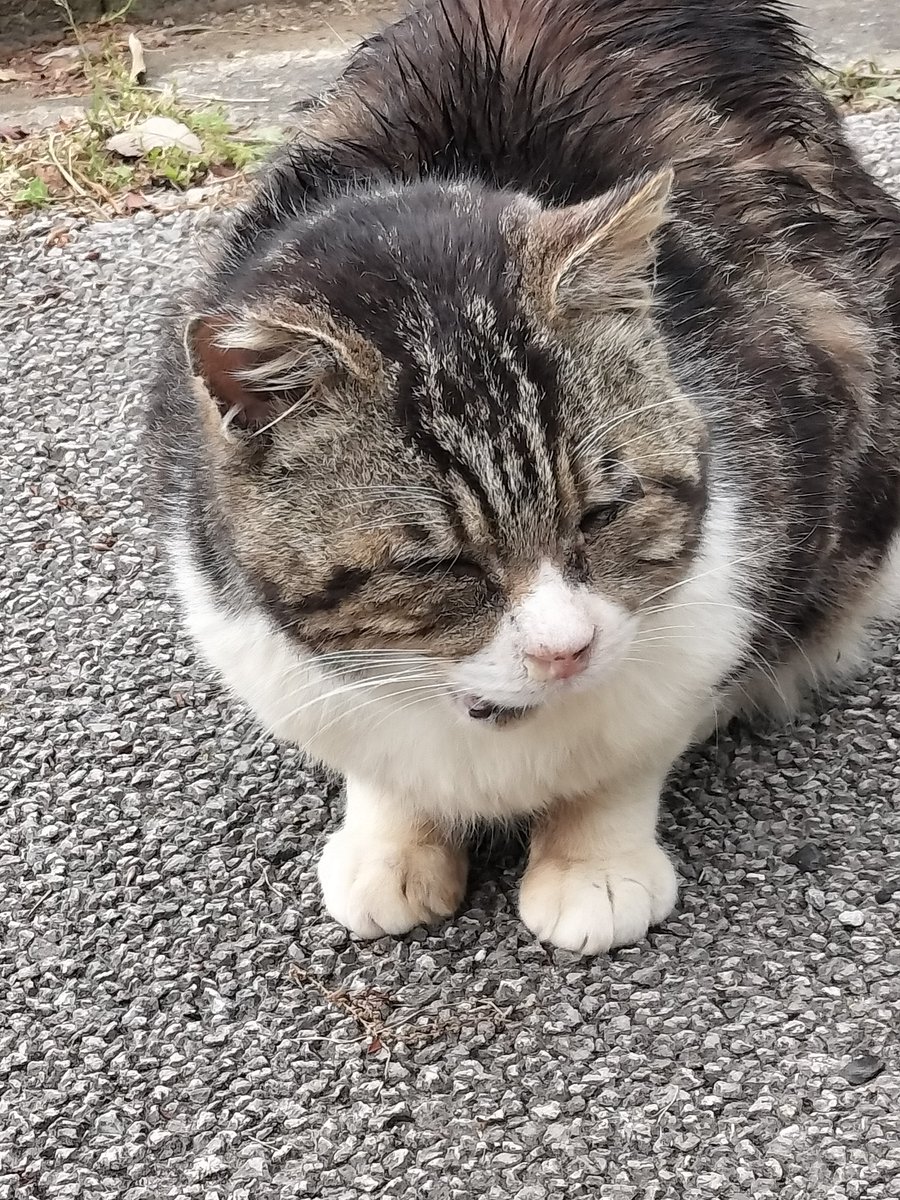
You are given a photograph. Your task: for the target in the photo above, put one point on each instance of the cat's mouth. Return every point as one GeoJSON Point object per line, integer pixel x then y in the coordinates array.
{"type": "Point", "coordinates": [493, 714]}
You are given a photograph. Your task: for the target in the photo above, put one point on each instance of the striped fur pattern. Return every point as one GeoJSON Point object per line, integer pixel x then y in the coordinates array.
{"type": "Point", "coordinates": [540, 410]}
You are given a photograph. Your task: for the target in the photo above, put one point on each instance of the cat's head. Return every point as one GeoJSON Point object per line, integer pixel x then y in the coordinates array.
{"type": "Point", "coordinates": [441, 422]}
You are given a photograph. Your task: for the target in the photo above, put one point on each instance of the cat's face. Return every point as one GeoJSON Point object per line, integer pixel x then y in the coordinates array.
{"type": "Point", "coordinates": [447, 446]}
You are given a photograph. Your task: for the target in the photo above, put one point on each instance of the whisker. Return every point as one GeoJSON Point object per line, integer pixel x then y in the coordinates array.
{"type": "Point", "coordinates": [351, 713]}
{"type": "Point", "coordinates": [395, 711]}
{"type": "Point", "coordinates": [331, 695]}
{"type": "Point", "coordinates": [377, 681]}
{"type": "Point", "coordinates": [746, 610]}
{"type": "Point", "coordinates": [346, 689]}
{"type": "Point", "coordinates": [593, 436]}
{"type": "Point", "coordinates": [357, 660]}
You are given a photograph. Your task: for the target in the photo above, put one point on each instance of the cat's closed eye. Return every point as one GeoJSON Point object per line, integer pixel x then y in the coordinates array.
{"type": "Point", "coordinates": [598, 516]}
{"type": "Point", "coordinates": [453, 568]}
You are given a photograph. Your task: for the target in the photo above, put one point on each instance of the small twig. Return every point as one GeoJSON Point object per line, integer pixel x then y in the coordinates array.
{"type": "Point", "coordinates": [70, 20]}
{"type": "Point", "coordinates": [215, 99]}
{"type": "Point", "coordinates": [32, 911]}
{"type": "Point", "coordinates": [93, 184]}
{"type": "Point", "coordinates": [166, 266]}
{"type": "Point", "coordinates": [70, 180]}
{"type": "Point", "coordinates": [377, 1030]}
{"type": "Point", "coordinates": [343, 42]}
{"type": "Point", "coordinates": [176, 29]}
{"type": "Point", "coordinates": [276, 891]}
{"type": "Point", "coordinates": [260, 1142]}
{"type": "Point", "coordinates": [101, 191]}
{"type": "Point", "coordinates": [109, 18]}
{"type": "Point", "coordinates": [250, 140]}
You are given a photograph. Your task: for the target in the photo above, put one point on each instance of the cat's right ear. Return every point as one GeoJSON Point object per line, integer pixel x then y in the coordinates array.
{"type": "Point", "coordinates": [256, 369]}
{"type": "Point", "coordinates": [597, 257]}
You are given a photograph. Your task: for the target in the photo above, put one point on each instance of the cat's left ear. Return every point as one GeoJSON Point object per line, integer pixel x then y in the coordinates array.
{"type": "Point", "coordinates": [597, 256]}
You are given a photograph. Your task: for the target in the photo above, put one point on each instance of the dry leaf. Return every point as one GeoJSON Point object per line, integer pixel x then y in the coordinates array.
{"type": "Point", "coordinates": [887, 89]}
{"type": "Point", "coordinates": [197, 195]}
{"type": "Point", "coordinates": [155, 133]}
{"type": "Point", "coordinates": [50, 175]}
{"type": "Point", "coordinates": [84, 50]}
{"type": "Point", "coordinates": [135, 200]}
{"type": "Point", "coordinates": [72, 68]}
{"type": "Point", "coordinates": [8, 75]}
{"type": "Point", "coordinates": [12, 133]}
{"type": "Point", "coordinates": [47, 60]}
{"type": "Point", "coordinates": [57, 237]}
{"type": "Point", "coordinates": [138, 72]}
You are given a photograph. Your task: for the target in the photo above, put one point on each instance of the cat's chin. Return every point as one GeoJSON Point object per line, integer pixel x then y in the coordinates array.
{"type": "Point", "coordinates": [486, 712]}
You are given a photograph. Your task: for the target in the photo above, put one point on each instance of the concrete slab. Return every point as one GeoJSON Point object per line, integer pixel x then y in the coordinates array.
{"type": "Point", "coordinates": [258, 70]}
{"type": "Point", "coordinates": [262, 87]}
{"type": "Point", "coordinates": [258, 89]}
{"type": "Point", "coordinates": [180, 1020]}
{"type": "Point", "coordinates": [842, 31]}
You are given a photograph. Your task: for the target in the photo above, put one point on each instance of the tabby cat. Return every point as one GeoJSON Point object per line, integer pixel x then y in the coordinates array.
{"type": "Point", "coordinates": [540, 410]}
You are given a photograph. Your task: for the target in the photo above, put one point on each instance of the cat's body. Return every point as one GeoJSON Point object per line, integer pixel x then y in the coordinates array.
{"type": "Point", "coordinates": [490, 506]}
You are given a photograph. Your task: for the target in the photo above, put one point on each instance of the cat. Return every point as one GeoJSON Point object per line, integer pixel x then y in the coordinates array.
{"type": "Point", "coordinates": [539, 411]}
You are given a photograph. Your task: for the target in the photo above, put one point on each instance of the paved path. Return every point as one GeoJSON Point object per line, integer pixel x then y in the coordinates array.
{"type": "Point", "coordinates": [274, 79]}
{"type": "Point", "coordinates": [845, 30]}
{"type": "Point", "coordinates": [178, 1018]}
{"type": "Point", "coordinates": [275, 60]}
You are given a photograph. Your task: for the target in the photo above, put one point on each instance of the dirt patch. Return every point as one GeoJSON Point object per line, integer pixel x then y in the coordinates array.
{"type": "Point", "coordinates": [257, 61]}
{"type": "Point", "coordinates": [55, 68]}
{"type": "Point", "coordinates": [208, 25]}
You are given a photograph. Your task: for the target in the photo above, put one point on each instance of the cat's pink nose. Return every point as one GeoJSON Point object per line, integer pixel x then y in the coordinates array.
{"type": "Point", "coordinates": [563, 664]}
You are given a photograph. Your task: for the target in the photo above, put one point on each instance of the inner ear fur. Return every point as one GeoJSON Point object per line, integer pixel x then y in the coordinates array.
{"type": "Point", "coordinates": [596, 256]}
{"type": "Point", "coordinates": [257, 363]}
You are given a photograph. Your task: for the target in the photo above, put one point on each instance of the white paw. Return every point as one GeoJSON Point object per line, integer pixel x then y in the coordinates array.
{"type": "Point", "coordinates": [374, 888]}
{"type": "Point", "coordinates": [590, 907]}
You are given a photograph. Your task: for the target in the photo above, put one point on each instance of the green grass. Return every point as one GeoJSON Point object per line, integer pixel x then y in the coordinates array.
{"type": "Point", "coordinates": [72, 166]}
{"type": "Point", "coordinates": [862, 85]}
{"type": "Point", "coordinates": [34, 194]}
{"type": "Point", "coordinates": [108, 18]}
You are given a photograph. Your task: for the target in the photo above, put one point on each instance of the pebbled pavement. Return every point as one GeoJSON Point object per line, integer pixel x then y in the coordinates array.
{"type": "Point", "coordinates": [178, 1018]}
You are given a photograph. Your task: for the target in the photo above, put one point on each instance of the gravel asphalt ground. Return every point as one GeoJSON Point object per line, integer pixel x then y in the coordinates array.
{"type": "Point", "coordinates": [179, 1019]}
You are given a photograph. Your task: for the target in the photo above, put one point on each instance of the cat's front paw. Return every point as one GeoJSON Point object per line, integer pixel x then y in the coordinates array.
{"type": "Point", "coordinates": [376, 887]}
{"type": "Point", "coordinates": [590, 907]}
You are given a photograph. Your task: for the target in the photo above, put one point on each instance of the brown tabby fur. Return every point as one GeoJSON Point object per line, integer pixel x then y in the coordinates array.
{"type": "Point", "coordinates": [776, 297]}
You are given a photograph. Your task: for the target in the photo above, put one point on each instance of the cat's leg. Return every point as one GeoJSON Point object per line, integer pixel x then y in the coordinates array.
{"type": "Point", "coordinates": [596, 875]}
{"type": "Point", "coordinates": [385, 870]}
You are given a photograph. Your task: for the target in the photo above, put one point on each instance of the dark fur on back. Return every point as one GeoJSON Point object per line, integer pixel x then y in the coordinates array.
{"type": "Point", "coordinates": [563, 100]}
{"type": "Point", "coordinates": [777, 281]}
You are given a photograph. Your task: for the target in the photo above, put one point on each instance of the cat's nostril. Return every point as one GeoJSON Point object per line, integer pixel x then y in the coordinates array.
{"type": "Point", "coordinates": [558, 664]}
